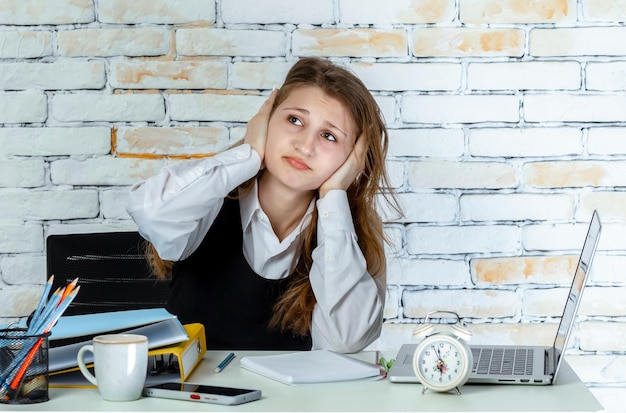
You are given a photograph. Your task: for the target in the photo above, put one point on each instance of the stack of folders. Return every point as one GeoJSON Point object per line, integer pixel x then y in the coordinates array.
{"type": "Point", "coordinates": [316, 366]}
{"type": "Point", "coordinates": [174, 349]}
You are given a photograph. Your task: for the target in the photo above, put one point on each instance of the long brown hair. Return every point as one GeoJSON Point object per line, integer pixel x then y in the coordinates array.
{"type": "Point", "coordinates": [293, 311]}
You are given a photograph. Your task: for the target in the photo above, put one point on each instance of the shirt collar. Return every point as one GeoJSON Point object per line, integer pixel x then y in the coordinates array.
{"type": "Point", "coordinates": [249, 205]}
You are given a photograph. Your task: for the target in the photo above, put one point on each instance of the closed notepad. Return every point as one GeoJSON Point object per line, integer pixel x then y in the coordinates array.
{"type": "Point", "coordinates": [316, 366]}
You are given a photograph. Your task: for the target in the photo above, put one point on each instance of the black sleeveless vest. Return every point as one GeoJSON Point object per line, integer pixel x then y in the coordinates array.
{"type": "Point", "coordinates": [216, 287]}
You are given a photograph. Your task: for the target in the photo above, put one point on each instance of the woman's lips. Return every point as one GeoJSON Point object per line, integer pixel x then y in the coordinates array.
{"type": "Point", "coordinates": [297, 163]}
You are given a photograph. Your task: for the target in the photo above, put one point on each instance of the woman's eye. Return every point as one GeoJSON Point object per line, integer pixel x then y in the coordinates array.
{"type": "Point", "coordinates": [294, 120]}
{"type": "Point", "coordinates": [329, 137]}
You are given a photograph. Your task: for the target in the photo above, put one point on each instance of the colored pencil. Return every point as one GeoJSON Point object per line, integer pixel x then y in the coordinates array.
{"type": "Point", "coordinates": [54, 318]}
{"type": "Point", "coordinates": [37, 325]}
{"type": "Point", "coordinates": [224, 362]}
{"type": "Point", "coordinates": [46, 315]}
{"type": "Point", "coordinates": [42, 300]}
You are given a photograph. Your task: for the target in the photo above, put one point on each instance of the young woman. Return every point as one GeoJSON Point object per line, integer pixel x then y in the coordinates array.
{"type": "Point", "coordinates": [276, 243]}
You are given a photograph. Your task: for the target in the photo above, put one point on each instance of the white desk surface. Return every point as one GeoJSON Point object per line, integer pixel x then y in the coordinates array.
{"type": "Point", "coordinates": [568, 394]}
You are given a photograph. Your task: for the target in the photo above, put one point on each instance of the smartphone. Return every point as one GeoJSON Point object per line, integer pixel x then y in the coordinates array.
{"type": "Point", "coordinates": [202, 393]}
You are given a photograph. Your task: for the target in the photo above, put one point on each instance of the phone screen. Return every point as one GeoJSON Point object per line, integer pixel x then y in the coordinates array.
{"type": "Point", "coordinates": [197, 388]}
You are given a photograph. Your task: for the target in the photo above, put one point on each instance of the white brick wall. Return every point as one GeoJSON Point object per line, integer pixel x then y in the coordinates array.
{"type": "Point", "coordinates": [277, 11]}
{"type": "Point", "coordinates": [25, 44]}
{"type": "Point", "coordinates": [95, 107]}
{"type": "Point", "coordinates": [23, 107]}
{"type": "Point", "coordinates": [453, 108]}
{"type": "Point", "coordinates": [156, 11]}
{"type": "Point", "coordinates": [50, 141]}
{"type": "Point", "coordinates": [507, 124]}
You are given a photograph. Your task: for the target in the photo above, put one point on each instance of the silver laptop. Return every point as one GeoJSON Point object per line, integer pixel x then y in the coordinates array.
{"type": "Point", "coordinates": [509, 364]}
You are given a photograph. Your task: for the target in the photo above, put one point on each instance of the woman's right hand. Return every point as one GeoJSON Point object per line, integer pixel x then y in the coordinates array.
{"type": "Point", "coordinates": [256, 132]}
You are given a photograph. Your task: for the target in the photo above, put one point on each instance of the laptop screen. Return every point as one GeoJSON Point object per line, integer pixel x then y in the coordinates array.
{"type": "Point", "coordinates": [578, 283]}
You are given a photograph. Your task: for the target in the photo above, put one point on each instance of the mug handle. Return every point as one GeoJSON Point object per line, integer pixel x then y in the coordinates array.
{"type": "Point", "coordinates": [81, 364]}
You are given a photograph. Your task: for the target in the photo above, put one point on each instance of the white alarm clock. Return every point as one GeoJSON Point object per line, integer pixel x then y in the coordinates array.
{"type": "Point", "coordinates": [442, 360]}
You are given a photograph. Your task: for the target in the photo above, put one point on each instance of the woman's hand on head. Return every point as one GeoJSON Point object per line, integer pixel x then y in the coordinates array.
{"type": "Point", "coordinates": [256, 131]}
{"type": "Point", "coordinates": [348, 172]}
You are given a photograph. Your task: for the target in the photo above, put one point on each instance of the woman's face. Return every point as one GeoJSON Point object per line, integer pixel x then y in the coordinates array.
{"type": "Point", "coordinates": [310, 135]}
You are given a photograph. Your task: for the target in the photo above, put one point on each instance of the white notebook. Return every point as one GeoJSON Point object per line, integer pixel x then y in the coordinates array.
{"type": "Point", "coordinates": [316, 366]}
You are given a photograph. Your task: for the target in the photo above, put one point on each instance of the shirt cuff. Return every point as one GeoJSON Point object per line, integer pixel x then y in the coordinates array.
{"type": "Point", "coordinates": [241, 162]}
{"type": "Point", "coordinates": [334, 212]}
{"type": "Point", "coordinates": [239, 154]}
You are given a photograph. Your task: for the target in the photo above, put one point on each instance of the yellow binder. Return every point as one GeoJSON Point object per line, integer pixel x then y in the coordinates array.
{"type": "Point", "coordinates": [170, 363]}
{"type": "Point", "coordinates": [182, 357]}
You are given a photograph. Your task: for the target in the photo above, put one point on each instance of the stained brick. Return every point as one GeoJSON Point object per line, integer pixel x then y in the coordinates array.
{"type": "Point", "coordinates": [460, 42]}
{"type": "Point", "coordinates": [515, 11]}
{"type": "Point", "coordinates": [350, 42]}
{"type": "Point", "coordinates": [169, 75]}
{"type": "Point", "coordinates": [114, 42]}
{"type": "Point", "coordinates": [572, 174]}
{"type": "Point", "coordinates": [176, 141]}
{"type": "Point", "coordinates": [396, 11]}
{"type": "Point", "coordinates": [522, 270]}
{"type": "Point", "coordinates": [156, 11]}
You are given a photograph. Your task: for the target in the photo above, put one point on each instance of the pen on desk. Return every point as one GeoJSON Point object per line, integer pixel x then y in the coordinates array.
{"type": "Point", "coordinates": [224, 362]}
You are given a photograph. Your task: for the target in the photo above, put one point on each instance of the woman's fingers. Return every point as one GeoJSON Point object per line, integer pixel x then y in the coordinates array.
{"type": "Point", "coordinates": [348, 172]}
{"type": "Point", "coordinates": [256, 131]}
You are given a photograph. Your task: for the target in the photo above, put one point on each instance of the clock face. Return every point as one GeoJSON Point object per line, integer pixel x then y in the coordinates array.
{"type": "Point", "coordinates": [442, 362]}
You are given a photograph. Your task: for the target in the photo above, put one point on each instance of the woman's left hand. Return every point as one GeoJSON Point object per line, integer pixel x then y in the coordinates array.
{"type": "Point", "coordinates": [256, 130]}
{"type": "Point", "coordinates": [348, 172]}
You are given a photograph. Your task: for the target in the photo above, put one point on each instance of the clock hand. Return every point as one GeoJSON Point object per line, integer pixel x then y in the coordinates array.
{"type": "Point", "coordinates": [441, 365]}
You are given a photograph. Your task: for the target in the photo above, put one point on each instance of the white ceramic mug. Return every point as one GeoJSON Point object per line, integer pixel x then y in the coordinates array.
{"type": "Point", "coordinates": [120, 364]}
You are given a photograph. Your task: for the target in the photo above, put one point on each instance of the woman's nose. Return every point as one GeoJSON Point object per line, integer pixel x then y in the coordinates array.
{"type": "Point", "coordinates": [306, 145]}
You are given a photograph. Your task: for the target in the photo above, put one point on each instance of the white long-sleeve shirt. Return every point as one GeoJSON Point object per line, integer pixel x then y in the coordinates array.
{"type": "Point", "coordinates": [175, 209]}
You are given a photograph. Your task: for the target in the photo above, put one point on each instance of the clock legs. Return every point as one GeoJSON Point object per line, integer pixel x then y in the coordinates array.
{"type": "Point", "coordinates": [456, 389]}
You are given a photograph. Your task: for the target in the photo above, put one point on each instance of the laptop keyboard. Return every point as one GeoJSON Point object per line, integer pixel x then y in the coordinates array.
{"type": "Point", "coordinates": [517, 362]}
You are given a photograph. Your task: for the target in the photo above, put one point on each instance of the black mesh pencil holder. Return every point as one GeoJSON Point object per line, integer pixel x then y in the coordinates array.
{"type": "Point", "coordinates": [23, 367]}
